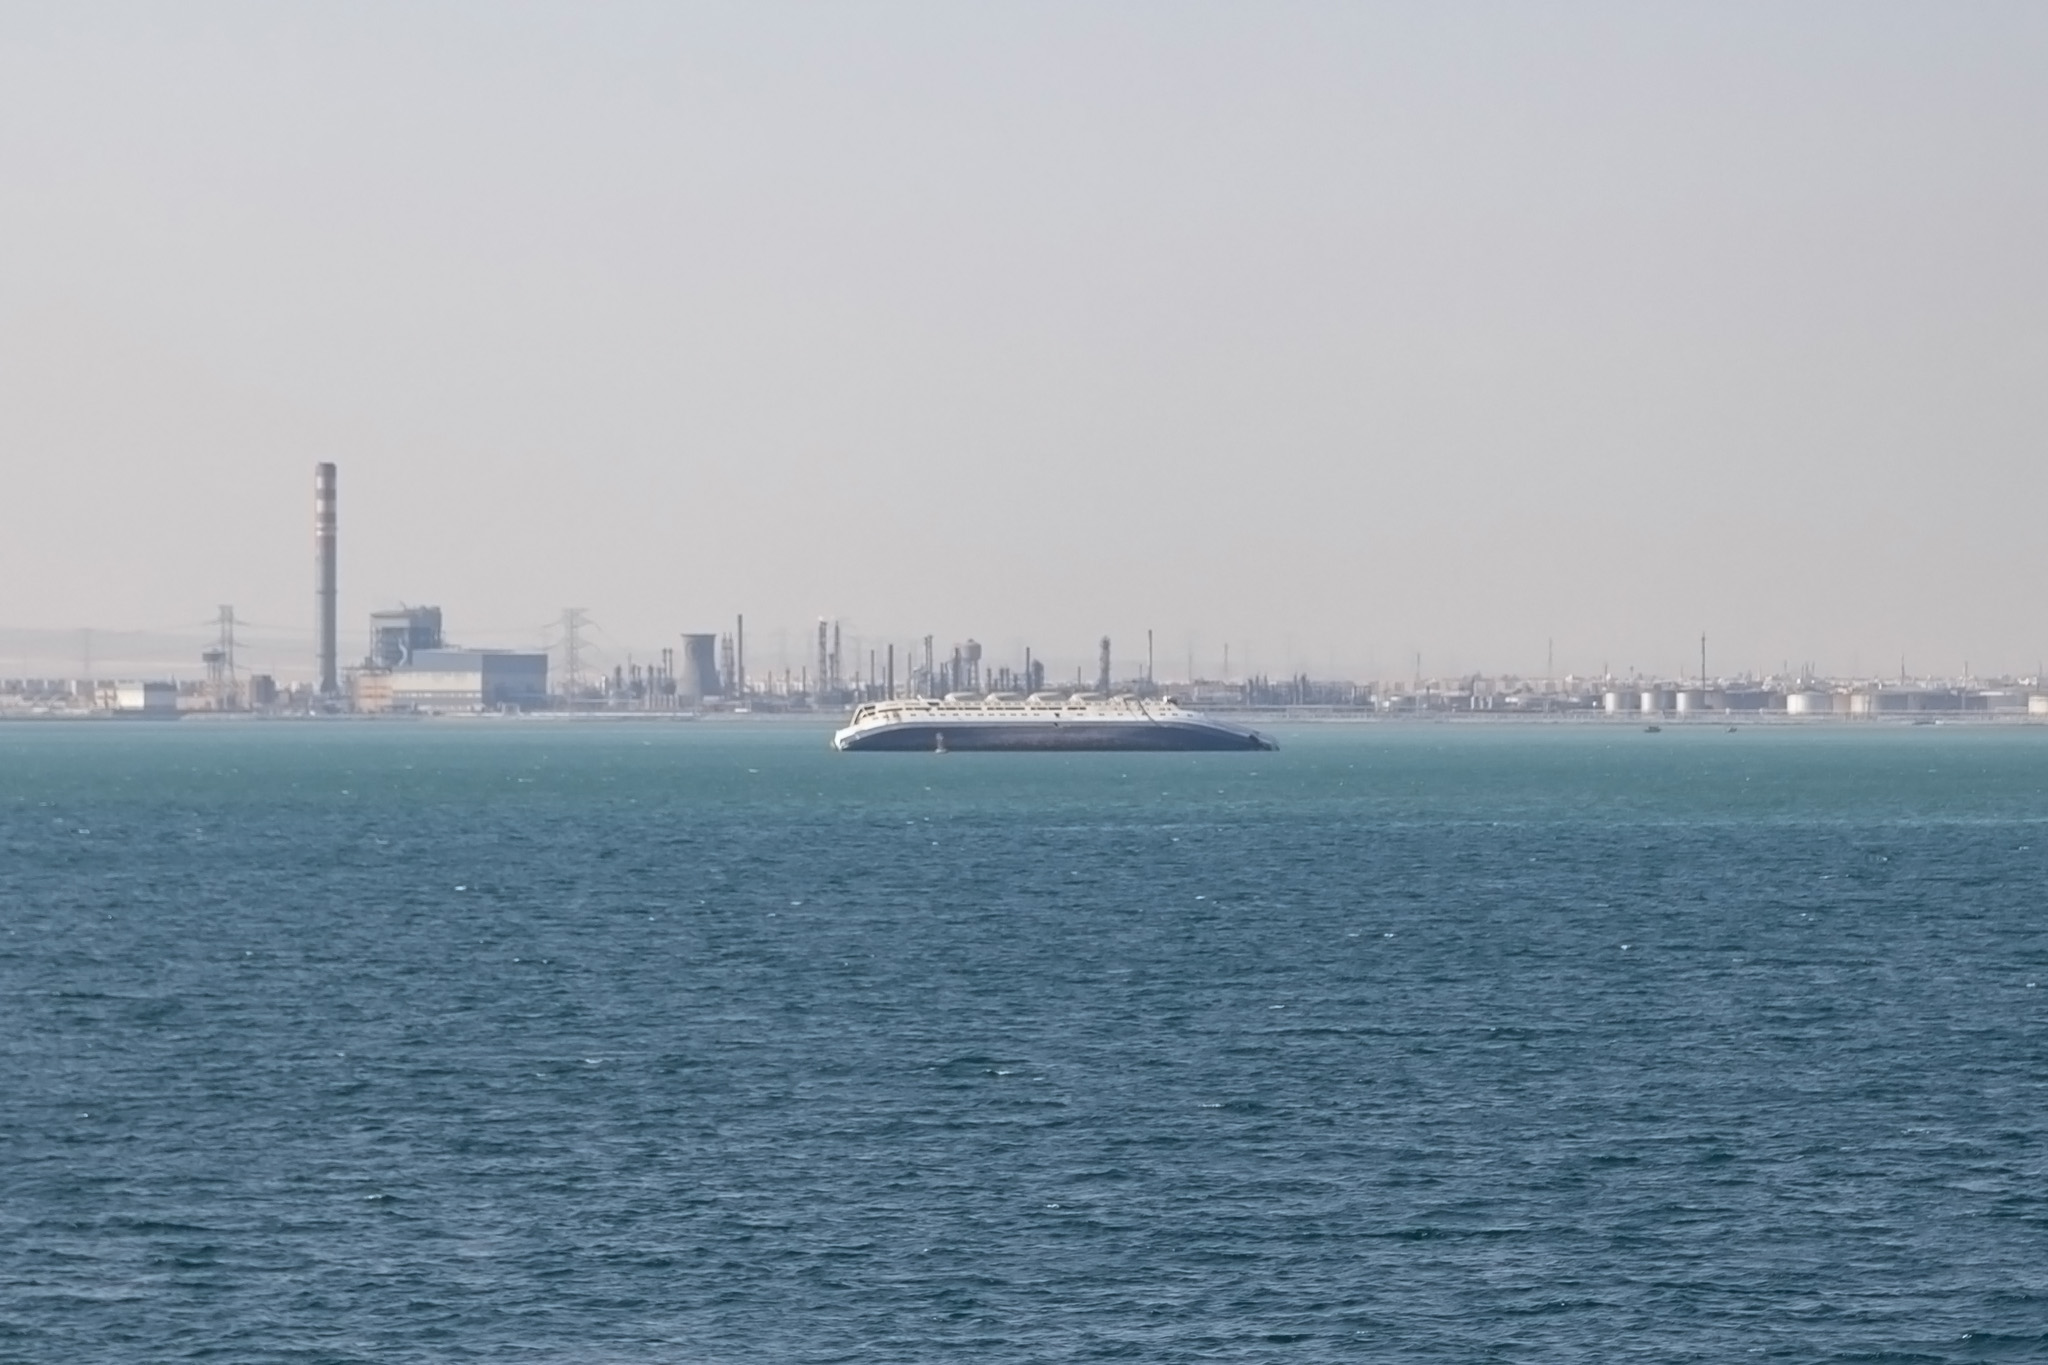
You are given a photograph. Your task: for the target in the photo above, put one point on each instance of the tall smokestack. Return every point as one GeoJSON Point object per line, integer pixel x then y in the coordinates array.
{"type": "Point", "coordinates": [323, 573]}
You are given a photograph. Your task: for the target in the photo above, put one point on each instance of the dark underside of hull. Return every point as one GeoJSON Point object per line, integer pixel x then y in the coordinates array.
{"type": "Point", "coordinates": [1155, 737]}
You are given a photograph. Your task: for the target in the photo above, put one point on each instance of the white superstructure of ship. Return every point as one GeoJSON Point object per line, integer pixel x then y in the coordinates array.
{"type": "Point", "coordinates": [1061, 721]}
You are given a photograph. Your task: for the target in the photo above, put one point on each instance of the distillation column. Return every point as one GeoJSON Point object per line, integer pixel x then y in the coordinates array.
{"type": "Point", "coordinates": [323, 575]}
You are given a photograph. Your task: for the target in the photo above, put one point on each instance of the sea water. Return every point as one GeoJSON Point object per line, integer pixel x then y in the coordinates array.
{"type": "Point", "coordinates": [668, 1042]}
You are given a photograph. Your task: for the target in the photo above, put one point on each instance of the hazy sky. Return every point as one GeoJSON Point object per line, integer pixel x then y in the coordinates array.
{"type": "Point", "coordinates": [1338, 332]}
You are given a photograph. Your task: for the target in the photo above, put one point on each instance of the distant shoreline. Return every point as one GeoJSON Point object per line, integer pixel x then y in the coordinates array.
{"type": "Point", "coordinates": [825, 721]}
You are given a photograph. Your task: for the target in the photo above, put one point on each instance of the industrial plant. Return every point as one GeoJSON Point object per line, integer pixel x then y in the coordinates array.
{"type": "Point", "coordinates": [410, 667]}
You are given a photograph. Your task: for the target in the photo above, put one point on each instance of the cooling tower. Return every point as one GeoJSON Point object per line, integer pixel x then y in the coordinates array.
{"type": "Point", "coordinates": [700, 668]}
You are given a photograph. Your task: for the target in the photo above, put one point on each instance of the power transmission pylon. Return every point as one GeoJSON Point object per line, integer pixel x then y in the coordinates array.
{"type": "Point", "coordinates": [573, 621]}
{"type": "Point", "coordinates": [221, 681]}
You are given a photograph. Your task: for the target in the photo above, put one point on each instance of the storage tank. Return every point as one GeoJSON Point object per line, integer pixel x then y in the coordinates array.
{"type": "Point", "coordinates": [1689, 701]}
{"type": "Point", "coordinates": [1656, 701]}
{"type": "Point", "coordinates": [697, 677]}
{"type": "Point", "coordinates": [1809, 704]}
{"type": "Point", "coordinates": [2037, 705]}
{"type": "Point", "coordinates": [1617, 703]}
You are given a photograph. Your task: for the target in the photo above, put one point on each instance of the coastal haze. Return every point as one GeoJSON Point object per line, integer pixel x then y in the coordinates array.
{"type": "Point", "coordinates": [1516, 339]}
{"type": "Point", "coordinates": [531, 450]}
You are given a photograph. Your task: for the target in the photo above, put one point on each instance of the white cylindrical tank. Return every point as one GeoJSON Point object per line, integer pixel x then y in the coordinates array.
{"type": "Point", "coordinates": [2037, 705]}
{"type": "Point", "coordinates": [1656, 700]}
{"type": "Point", "coordinates": [1617, 703]}
{"type": "Point", "coordinates": [1809, 704]}
{"type": "Point", "coordinates": [1689, 700]}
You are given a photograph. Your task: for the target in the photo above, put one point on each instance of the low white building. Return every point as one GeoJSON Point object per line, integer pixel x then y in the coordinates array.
{"type": "Point", "coordinates": [138, 698]}
{"type": "Point", "coordinates": [470, 680]}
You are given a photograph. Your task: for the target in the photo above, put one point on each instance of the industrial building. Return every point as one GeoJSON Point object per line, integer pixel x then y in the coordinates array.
{"type": "Point", "coordinates": [369, 690]}
{"type": "Point", "coordinates": [410, 667]}
{"type": "Point", "coordinates": [469, 680]}
{"type": "Point", "coordinates": [397, 635]}
{"type": "Point", "coordinates": [158, 699]}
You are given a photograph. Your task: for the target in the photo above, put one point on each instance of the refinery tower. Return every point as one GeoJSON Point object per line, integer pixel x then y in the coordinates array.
{"type": "Point", "coordinates": [323, 576]}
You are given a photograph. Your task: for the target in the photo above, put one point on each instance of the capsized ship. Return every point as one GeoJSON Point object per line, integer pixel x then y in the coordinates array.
{"type": "Point", "coordinates": [963, 722]}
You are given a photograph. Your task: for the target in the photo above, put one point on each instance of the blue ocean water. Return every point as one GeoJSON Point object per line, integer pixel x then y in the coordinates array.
{"type": "Point", "coordinates": [699, 1043]}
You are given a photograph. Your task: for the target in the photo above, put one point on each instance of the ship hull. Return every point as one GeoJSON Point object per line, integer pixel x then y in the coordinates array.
{"type": "Point", "coordinates": [968, 736]}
